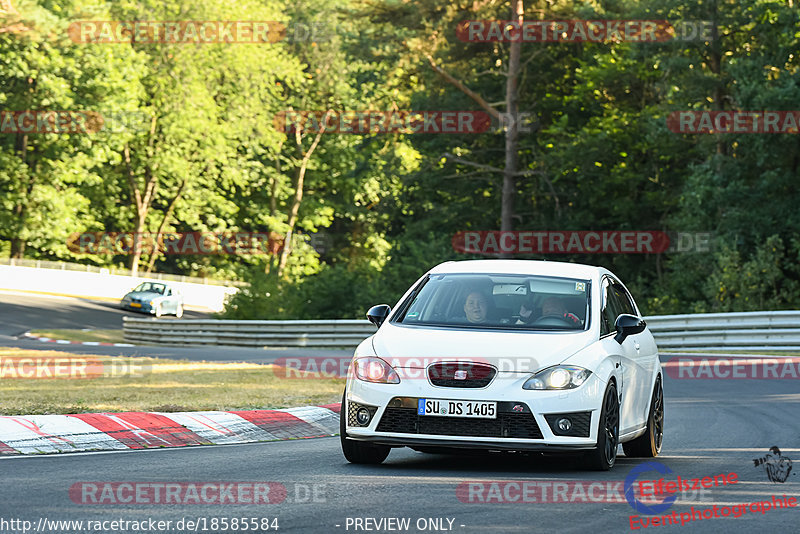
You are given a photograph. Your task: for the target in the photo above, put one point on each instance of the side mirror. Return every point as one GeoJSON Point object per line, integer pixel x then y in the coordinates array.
{"type": "Point", "coordinates": [378, 314]}
{"type": "Point", "coordinates": [627, 325]}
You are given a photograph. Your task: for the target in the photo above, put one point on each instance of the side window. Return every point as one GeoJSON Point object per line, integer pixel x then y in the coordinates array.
{"type": "Point", "coordinates": [610, 312]}
{"type": "Point", "coordinates": [624, 300]}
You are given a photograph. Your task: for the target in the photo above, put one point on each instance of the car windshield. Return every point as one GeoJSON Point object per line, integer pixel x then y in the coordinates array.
{"type": "Point", "coordinates": [151, 287]}
{"type": "Point", "coordinates": [504, 301]}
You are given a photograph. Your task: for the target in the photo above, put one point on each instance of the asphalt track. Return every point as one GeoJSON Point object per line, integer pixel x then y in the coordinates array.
{"type": "Point", "coordinates": [20, 313]}
{"type": "Point", "coordinates": [713, 427]}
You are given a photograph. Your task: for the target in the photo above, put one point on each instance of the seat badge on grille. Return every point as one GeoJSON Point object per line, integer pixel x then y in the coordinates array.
{"type": "Point", "coordinates": [460, 375]}
{"type": "Point", "coordinates": [518, 408]}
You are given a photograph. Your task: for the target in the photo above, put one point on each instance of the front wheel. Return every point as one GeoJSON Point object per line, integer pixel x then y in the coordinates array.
{"type": "Point", "coordinates": [179, 311]}
{"type": "Point", "coordinates": [358, 452]}
{"type": "Point", "coordinates": [158, 312]}
{"type": "Point", "coordinates": [648, 445]}
{"type": "Point", "coordinates": [603, 457]}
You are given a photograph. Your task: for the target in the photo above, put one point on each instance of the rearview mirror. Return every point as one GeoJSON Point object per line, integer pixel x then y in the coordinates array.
{"type": "Point", "coordinates": [378, 314]}
{"type": "Point", "coordinates": [628, 325]}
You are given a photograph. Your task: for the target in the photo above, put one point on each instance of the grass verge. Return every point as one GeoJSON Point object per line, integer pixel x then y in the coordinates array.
{"type": "Point", "coordinates": [117, 384]}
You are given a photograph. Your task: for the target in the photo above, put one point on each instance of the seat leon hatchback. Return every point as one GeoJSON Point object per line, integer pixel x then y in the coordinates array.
{"type": "Point", "coordinates": [513, 355]}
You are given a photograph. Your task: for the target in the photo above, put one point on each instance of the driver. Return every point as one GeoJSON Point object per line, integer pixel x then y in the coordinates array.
{"type": "Point", "coordinates": [554, 307]}
{"type": "Point", "coordinates": [476, 307]}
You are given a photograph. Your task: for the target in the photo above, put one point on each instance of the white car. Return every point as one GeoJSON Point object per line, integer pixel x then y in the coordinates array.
{"type": "Point", "coordinates": [507, 355]}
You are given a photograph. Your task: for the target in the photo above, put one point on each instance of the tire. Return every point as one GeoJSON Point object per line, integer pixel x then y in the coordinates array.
{"type": "Point", "coordinates": [158, 312]}
{"type": "Point", "coordinates": [648, 445]}
{"type": "Point", "coordinates": [179, 311]}
{"type": "Point", "coordinates": [604, 455]}
{"type": "Point", "coordinates": [359, 452]}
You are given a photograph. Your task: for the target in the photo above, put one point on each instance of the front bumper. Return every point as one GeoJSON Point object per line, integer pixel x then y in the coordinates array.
{"type": "Point", "coordinates": [145, 307]}
{"type": "Point", "coordinates": [524, 421]}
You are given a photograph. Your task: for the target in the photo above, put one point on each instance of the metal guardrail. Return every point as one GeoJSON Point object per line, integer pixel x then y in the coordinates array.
{"type": "Point", "coordinates": [82, 267]}
{"type": "Point", "coordinates": [767, 330]}
{"type": "Point", "coordinates": [777, 330]}
{"type": "Point", "coordinates": [329, 334]}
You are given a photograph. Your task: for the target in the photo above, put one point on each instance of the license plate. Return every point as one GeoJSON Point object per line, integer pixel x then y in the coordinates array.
{"type": "Point", "coordinates": [135, 305]}
{"type": "Point", "coordinates": [457, 408]}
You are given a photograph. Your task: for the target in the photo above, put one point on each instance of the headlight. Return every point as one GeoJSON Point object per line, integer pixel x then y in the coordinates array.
{"type": "Point", "coordinates": [151, 303]}
{"type": "Point", "coordinates": [558, 377]}
{"type": "Point", "coordinates": [372, 369]}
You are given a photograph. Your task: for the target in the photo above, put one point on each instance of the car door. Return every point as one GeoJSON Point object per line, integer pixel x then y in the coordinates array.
{"type": "Point", "coordinates": [169, 301]}
{"type": "Point", "coordinates": [646, 357]}
{"type": "Point", "coordinates": [625, 355]}
{"type": "Point", "coordinates": [638, 359]}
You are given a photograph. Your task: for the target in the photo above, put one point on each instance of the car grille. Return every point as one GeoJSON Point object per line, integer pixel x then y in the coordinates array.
{"type": "Point", "coordinates": [473, 375]}
{"type": "Point", "coordinates": [507, 425]}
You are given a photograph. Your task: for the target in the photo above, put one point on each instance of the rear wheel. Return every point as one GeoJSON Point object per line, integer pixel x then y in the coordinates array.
{"type": "Point", "coordinates": [648, 445]}
{"type": "Point", "coordinates": [358, 452]}
{"type": "Point", "coordinates": [603, 457]}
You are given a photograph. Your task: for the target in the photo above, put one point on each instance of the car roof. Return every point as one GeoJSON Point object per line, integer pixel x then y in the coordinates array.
{"type": "Point", "coordinates": [531, 267]}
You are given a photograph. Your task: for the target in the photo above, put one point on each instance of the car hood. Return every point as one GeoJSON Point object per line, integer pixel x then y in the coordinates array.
{"type": "Point", "coordinates": [143, 295]}
{"type": "Point", "coordinates": [515, 351]}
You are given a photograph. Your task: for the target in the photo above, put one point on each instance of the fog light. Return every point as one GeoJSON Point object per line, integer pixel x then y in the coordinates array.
{"type": "Point", "coordinates": [362, 416]}
{"type": "Point", "coordinates": [564, 424]}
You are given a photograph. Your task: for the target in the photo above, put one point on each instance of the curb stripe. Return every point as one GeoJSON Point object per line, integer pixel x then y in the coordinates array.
{"type": "Point", "coordinates": [322, 419]}
{"type": "Point", "coordinates": [53, 433]}
{"type": "Point", "coordinates": [36, 434]}
{"type": "Point", "coordinates": [280, 424]}
{"type": "Point", "coordinates": [142, 430]}
{"type": "Point", "coordinates": [5, 449]}
{"type": "Point", "coordinates": [332, 407]}
{"type": "Point", "coordinates": [67, 342]}
{"type": "Point", "coordinates": [221, 427]}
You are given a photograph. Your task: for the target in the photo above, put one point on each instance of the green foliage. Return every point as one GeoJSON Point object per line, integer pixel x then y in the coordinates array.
{"type": "Point", "coordinates": [599, 158]}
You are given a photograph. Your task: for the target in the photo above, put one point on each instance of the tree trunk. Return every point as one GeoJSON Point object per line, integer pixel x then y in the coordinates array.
{"type": "Point", "coordinates": [17, 243]}
{"type": "Point", "coordinates": [512, 129]}
{"type": "Point", "coordinates": [167, 216]}
{"type": "Point", "coordinates": [298, 188]}
{"type": "Point", "coordinates": [512, 124]}
{"type": "Point", "coordinates": [141, 201]}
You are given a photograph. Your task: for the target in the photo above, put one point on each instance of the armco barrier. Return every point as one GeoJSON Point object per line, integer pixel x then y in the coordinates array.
{"type": "Point", "coordinates": [329, 334]}
{"type": "Point", "coordinates": [779, 330]}
{"type": "Point", "coordinates": [767, 330]}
